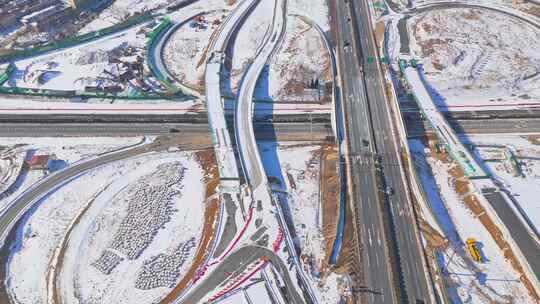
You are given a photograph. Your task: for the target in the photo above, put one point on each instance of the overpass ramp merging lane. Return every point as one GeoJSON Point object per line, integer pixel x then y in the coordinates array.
{"type": "Point", "coordinates": [518, 224]}
{"type": "Point", "coordinates": [252, 165]}
{"type": "Point", "coordinates": [439, 123]}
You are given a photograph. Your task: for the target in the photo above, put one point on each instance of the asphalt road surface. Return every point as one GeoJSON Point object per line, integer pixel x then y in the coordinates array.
{"type": "Point", "coordinates": [245, 134]}
{"type": "Point", "coordinates": [403, 242]}
{"type": "Point", "coordinates": [479, 126]}
{"type": "Point", "coordinates": [262, 130]}
{"type": "Point", "coordinates": [236, 263]}
{"type": "Point", "coordinates": [412, 274]}
{"type": "Point", "coordinates": [376, 269]}
{"type": "Point", "coordinates": [526, 243]}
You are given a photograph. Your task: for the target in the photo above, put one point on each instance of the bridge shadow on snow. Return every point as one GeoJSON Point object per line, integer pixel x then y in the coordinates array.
{"type": "Point", "coordinates": [442, 213]}
{"type": "Point", "coordinates": [226, 81]}
{"type": "Point", "coordinates": [268, 149]}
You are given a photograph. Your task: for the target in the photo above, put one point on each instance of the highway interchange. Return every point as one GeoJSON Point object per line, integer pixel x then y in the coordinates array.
{"type": "Point", "coordinates": [391, 255]}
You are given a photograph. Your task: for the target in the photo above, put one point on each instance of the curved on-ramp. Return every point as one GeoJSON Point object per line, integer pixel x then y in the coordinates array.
{"type": "Point", "coordinates": [216, 114]}
{"type": "Point", "coordinates": [338, 124]}
{"type": "Point", "coordinates": [250, 159]}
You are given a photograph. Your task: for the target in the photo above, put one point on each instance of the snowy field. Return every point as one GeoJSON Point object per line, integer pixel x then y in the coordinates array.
{"type": "Point", "coordinates": [186, 50]}
{"type": "Point", "coordinates": [89, 64]}
{"type": "Point", "coordinates": [36, 105]}
{"type": "Point", "coordinates": [70, 149]}
{"type": "Point", "coordinates": [524, 6]}
{"type": "Point", "coordinates": [494, 280]}
{"type": "Point", "coordinates": [66, 151]}
{"type": "Point", "coordinates": [302, 59]}
{"type": "Point", "coordinates": [474, 57]}
{"type": "Point", "coordinates": [296, 170]}
{"type": "Point", "coordinates": [244, 46]}
{"type": "Point", "coordinates": [523, 184]}
{"type": "Point", "coordinates": [317, 10]}
{"type": "Point", "coordinates": [87, 237]}
{"type": "Point", "coordinates": [120, 10]}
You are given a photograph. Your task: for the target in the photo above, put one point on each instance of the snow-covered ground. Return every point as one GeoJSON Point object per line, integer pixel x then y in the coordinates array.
{"type": "Point", "coordinates": [250, 36]}
{"type": "Point", "coordinates": [120, 10]}
{"type": "Point", "coordinates": [11, 161]}
{"type": "Point", "coordinates": [474, 57]}
{"type": "Point", "coordinates": [88, 64]}
{"type": "Point", "coordinates": [186, 50]}
{"type": "Point", "coordinates": [70, 149]}
{"type": "Point", "coordinates": [40, 106]}
{"type": "Point", "coordinates": [525, 188]}
{"type": "Point", "coordinates": [317, 10]}
{"type": "Point", "coordinates": [297, 170]}
{"type": "Point", "coordinates": [492, 280]}
{"type": "Point", "coordinates": [66, 150]}
{"type": "Point", "coordinates": [99, 200]}
{"type": "Point", "coordinates": [301, 60]}
{"type": "Point", "coordinates": [525, 5]}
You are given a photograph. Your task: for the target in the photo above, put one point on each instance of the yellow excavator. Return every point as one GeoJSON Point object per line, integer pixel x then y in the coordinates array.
{"type": "Point", "coordinates": [473, 250]}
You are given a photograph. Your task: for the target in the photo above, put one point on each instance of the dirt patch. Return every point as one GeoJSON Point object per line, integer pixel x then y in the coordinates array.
{"type": "Point", "coordinates": [433, 237]}
{"type": "Point", "coordinates": [471, 15]}
{"type": "Point", "coordinates": [329, 183]}
{"type": "Point", "coordinates": [461, 184]}
{"type": "Point", "coordinates": [435, 242]}
{"type": "Point", "coordinates": [437, 65]}
{"type": "Point", "coordinates": [349, 260]}
{"type": "Point", "coordinates": [429, 46]}
{"type": "Point", "coordinates": [207, 160]}
{"type": "Point", "coordinates": [534, 139]}
{"type": "Point", "coordinates": [532, 10]}
{"type": "Point", "coordinates": [427, 27]}
{"type": "Point", "coordinates": [185, 141]}
{"type": "Point", "coordinates": [379, 32]}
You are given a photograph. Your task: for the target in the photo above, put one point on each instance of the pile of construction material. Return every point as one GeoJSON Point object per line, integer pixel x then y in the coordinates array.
{"type": "Point", "coordinates": [163, 270]}
{"type": "Point", "coordinates": [150, 206]}
{"type": "Point", "coordinates": [107, 261]}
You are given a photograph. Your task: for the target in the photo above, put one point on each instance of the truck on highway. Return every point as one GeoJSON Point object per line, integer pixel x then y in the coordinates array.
{"type": "Point", "coordinates": [473, 250]}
